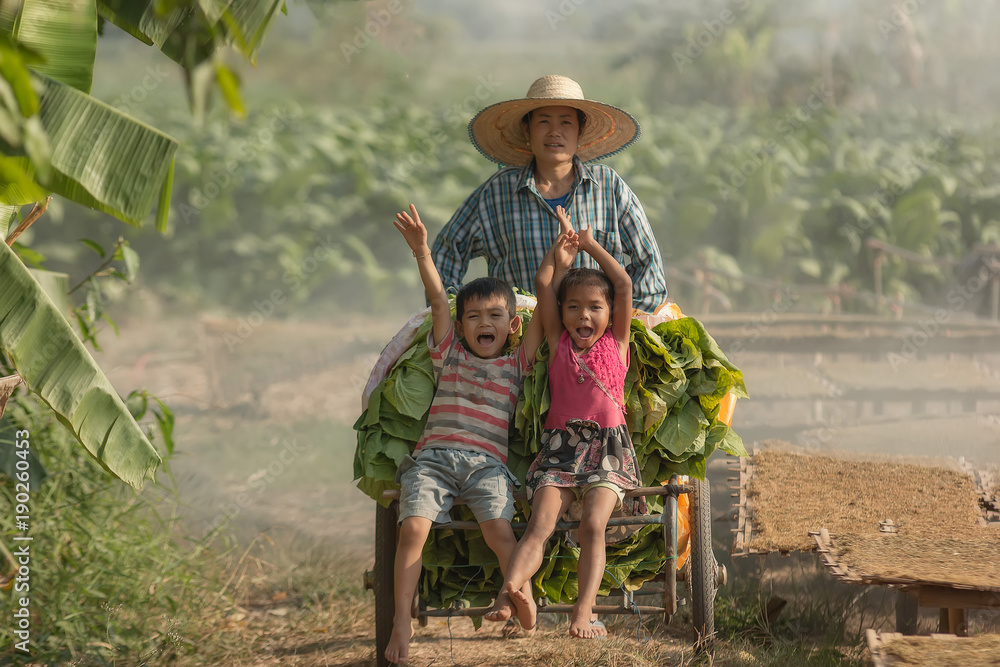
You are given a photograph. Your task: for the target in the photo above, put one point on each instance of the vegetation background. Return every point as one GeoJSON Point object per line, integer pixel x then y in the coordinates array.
{"type": "Point", "coordinates": [778, 138]}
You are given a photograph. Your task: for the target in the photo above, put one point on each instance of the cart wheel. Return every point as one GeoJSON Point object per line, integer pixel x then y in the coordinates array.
{"type": "Point", "coordinates": [385, 555]}
{"type": "Point", "coordinates": [702, 582]}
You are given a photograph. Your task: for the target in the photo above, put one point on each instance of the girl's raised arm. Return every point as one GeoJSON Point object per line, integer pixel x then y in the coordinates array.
{"type": "Point", "coordinates": [621, 322]}
{"type": "Point", "coordinates": [554, 266]}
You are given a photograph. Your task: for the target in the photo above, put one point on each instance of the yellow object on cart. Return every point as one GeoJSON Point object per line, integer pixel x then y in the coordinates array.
{"type": "Point", "coordinates": [665, 312]}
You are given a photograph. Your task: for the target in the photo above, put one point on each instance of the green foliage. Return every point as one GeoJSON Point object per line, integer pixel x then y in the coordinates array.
{"type": "Point", "coordinates": [299, 199]}
{"type": "Point", "coordinates": [55, 137]}
{"type": "Point", "coordinates": [109, 578]}
{"type": "Point", "coordinates": [54, 363]}
{"type": "Point", "coordinates": [794, 200]}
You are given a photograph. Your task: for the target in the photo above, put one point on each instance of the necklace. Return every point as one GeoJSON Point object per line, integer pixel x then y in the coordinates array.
{"type": "Point", "coordinates": [579, 366]}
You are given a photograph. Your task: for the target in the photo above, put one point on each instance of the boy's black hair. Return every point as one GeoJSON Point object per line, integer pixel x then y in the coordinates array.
{"type": "Point", "coordinates": [485, 288]}
{"type": "Point", "coordinates": [587, 278]}
{"type": "Point", "coordinates": [581, 118]}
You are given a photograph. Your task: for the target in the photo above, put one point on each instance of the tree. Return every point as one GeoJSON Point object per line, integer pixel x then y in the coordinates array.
{"type": "Point", "coordinates": [56, 138]}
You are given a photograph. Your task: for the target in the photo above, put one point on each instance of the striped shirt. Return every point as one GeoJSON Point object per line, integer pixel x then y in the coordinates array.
{"type": "Point", "coordinates": [509, 223]}
{"type": "Point", "coordinates": [475, 398]}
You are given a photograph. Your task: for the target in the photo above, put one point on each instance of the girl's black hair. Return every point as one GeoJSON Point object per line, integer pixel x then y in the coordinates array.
{"type": "Point", "coordinates": [587, 278]}
{"type": "Point", "coordinates": [485, 288]}
{"type": "Point", "coordinates": [581, 118]}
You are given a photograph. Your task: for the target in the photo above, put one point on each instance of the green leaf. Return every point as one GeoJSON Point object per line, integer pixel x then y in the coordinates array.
{"type": "Point", "coordinates": [29, 256]}
{"type": "Point", "coordinates": [111, 323]}
{"type": "Point", "coordinates": [8, 215]}
{"type": "Point", "coordinates": [229, 83]}
{"type": "Point", "coordinates": [915, 219]}
{"type": "Point", "coordinates": [165, 420]}
{"type": "Point", "coordinates": [95, 246]}
{"type": "Point", "coordinates": [733, 444]}
{"type": "Point", "coordinates": [163, 205]}
{"type": "Point", "coordinates": [17, 187]}
{"type": "Point", "coordinates": [244, 22]}
{"type": "Point", "coordinates": [64, 32]}
{"type": "Point", "coordinates": [681, 432]}
{"type": "Point", "coordinates": [37, 146]}
{"type": "Point", "coordinates": [56, 366]}
{"type": "Point", "coordinates": [8, 15]}
{"type": "Point", "coordinates": [150, 21]}
{"type": "Point", "coordinates": [56, 286]}
{"type": "Point", "coordinates": [14, 61]}
{"type": "Point", "coordinates": [130, 257]}
{"type": "Point", "coordinates": [101, 157]}
{"type": "Point", "coordinates": [137, 404]}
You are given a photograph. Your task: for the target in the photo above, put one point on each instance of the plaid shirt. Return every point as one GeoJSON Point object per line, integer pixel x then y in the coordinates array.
{"type": "Point", "coordinates": [509, 223]}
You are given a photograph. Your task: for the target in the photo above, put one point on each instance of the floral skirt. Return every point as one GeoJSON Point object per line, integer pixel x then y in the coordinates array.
{"type": "Point", "coordinates": [584, 454]}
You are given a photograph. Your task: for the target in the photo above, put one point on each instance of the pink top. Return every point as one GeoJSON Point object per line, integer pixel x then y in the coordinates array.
{"type": "Point", "coordinates": [572, 399]}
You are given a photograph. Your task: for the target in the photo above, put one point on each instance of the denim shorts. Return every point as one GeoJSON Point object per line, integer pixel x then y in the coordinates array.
{"type": "Point", "coordinates": [438, 477]}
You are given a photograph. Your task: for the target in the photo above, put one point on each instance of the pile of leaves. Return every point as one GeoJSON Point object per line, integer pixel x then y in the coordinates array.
{"type": "Point", "coordinates": [675, 384]}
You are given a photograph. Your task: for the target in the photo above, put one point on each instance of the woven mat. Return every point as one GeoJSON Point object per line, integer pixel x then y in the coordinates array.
{"type": "Point", "coordinates": [891, 648]}
{"type": "Point", "coordinates": [785, 495]}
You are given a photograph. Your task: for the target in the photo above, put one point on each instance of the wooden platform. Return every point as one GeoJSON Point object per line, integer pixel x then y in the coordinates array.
{"type": "Point", "coordinates": [953, 594]}
{"type": "Point", "coordinates": [744, 531]}
{"type": "Point", "coordinates": [940, 551]}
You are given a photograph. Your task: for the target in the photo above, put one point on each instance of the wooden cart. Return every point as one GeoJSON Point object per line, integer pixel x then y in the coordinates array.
{"type": "Point", "coordinates": [702, 575]}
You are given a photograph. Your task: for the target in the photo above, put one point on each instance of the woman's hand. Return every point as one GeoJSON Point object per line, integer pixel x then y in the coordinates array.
{"type": "Point", "coordinates": [413, 230]}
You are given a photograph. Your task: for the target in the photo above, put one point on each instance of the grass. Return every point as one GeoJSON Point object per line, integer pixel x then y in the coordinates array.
{"type": "Point", "coordinates": [111, 579]}
{"type": "Point", "coordinates": [789, 612]}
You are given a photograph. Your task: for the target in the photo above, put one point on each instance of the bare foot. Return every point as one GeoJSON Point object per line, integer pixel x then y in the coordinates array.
{"type": "Point", "coordinates": [399, 643]}
{"type": "Point", "coordinates": [527, 610]}
{"type": "Point", "coordinates": [502, 609]}
{"type": "Point", "coordinates": [588, 627]}
{"type": "Point", "coordinates": [579, 626]}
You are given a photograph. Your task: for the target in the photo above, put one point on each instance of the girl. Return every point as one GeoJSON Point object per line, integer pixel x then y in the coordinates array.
{"type": "Point", "coordinates": [586, 452]}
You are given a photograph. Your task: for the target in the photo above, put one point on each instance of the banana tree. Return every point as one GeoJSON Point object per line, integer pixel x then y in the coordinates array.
{"type": "Point", "coordinates": [56, 138]}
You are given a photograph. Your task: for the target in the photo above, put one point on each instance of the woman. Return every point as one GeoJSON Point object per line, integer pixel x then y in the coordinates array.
{"type": "Point", "coordinates": [546, 139]}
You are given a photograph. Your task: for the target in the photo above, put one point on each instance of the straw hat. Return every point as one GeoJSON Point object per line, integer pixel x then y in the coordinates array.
{"type": "Point", "coordinates": [497, 131]}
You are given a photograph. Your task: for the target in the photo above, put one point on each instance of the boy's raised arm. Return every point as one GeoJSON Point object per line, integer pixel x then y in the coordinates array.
{"type": "Point", "coordinates": [415, 233]}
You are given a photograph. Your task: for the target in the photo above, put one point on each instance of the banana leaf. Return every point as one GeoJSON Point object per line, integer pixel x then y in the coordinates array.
{"type": "Point", "coordinates": [64, 33]}
{"type": "Point", "coordinates": [101, 157]}
{"type": "Point", "coordinates": [7, 215]}
{"type": "Point", "coordinates": [150, 22]}
{"type": "Point", "coordinates": [55, 365]}
{"type": "Point", "coordinates": [245, 22]}
{"type": "Point", "coordinates": [185, 30]}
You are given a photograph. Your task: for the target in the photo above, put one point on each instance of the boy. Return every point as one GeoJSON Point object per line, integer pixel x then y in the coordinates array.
{"type": "Point", "coordinates": [463, 451]}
